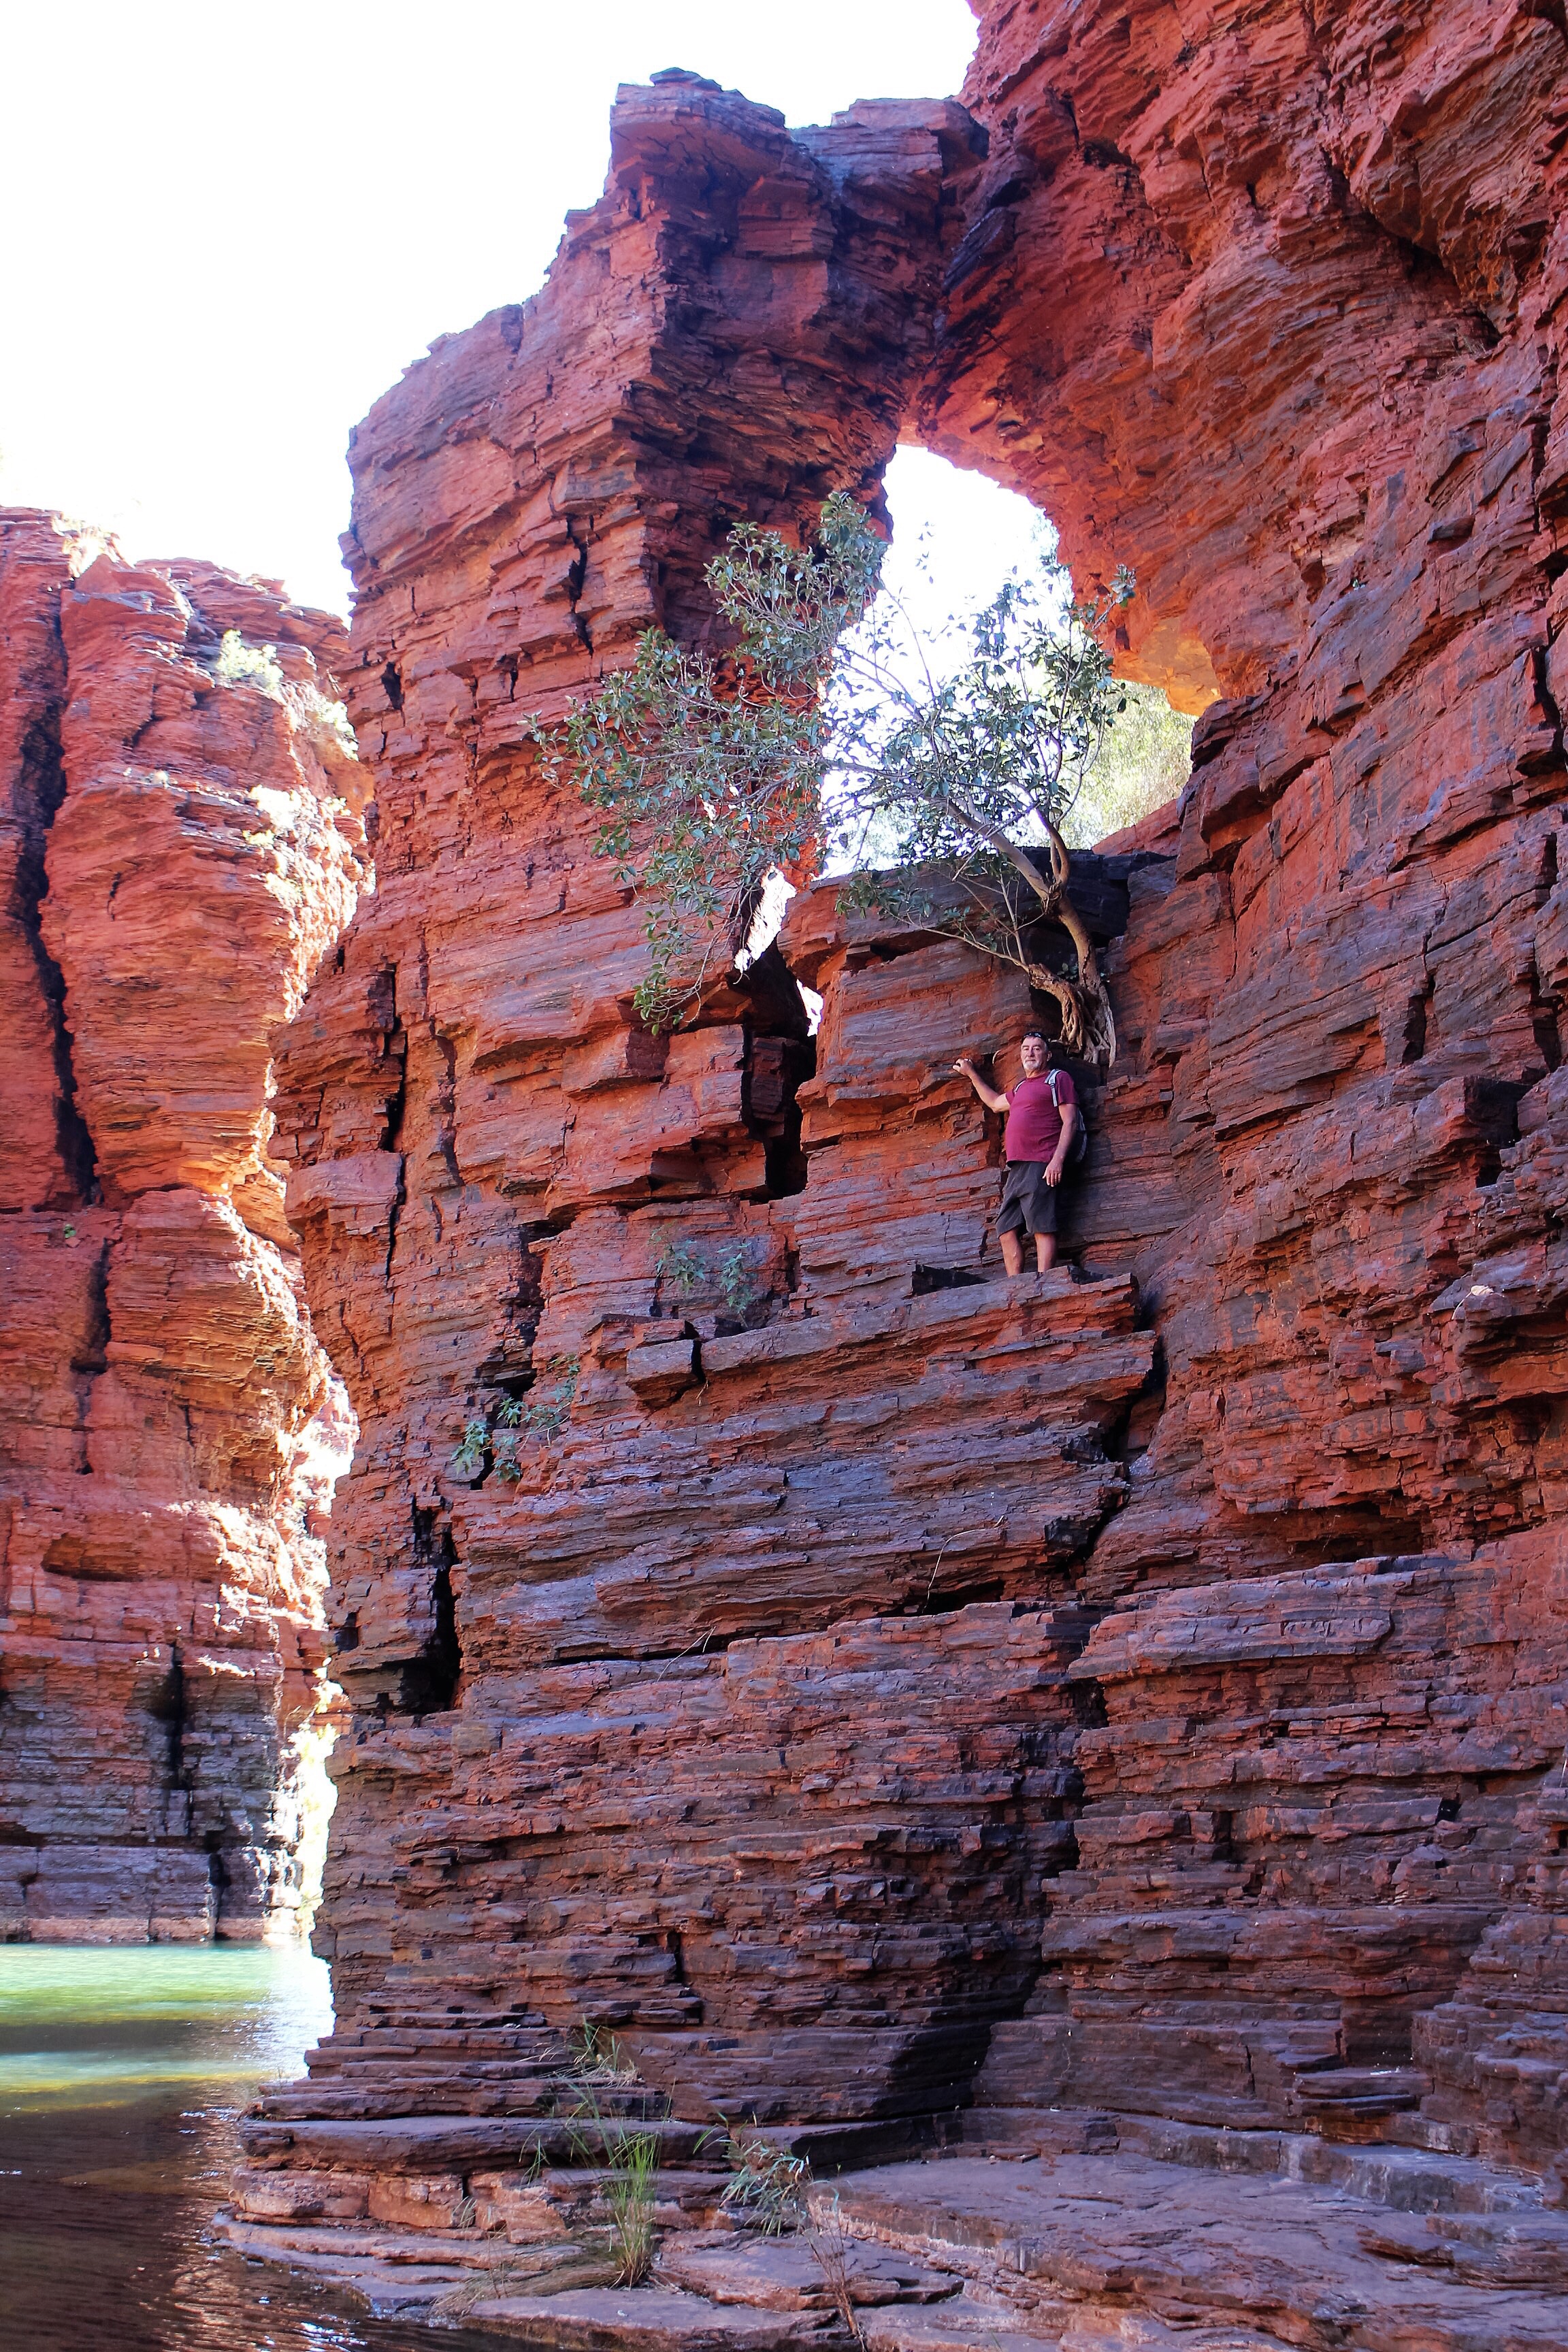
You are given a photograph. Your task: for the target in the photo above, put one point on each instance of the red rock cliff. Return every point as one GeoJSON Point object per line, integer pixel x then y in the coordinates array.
{"type": "Point", "coordinates": [181, 841]}
{"type": "Point", "coordinates": [1141, 1695]}
{"type": "Point", "coordinates": [1301, 373]}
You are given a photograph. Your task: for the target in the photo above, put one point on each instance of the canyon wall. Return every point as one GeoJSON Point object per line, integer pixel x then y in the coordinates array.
{"type": "Point", "coordinates": [875, 1689]}
{"type": "Point", "coordinates": [493, 1164]}
{"type": "Point", "coordinates": [1301, 372]}
{"type": "Point", "coordinates": [181, 830]}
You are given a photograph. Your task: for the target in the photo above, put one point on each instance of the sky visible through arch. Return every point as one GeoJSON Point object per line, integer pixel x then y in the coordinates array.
{"type": "Point", "coordinates": [230, 229]}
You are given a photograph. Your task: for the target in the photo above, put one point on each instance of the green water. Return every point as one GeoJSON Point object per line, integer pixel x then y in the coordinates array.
{"type": "Point", "coordinates": [121, 2074]}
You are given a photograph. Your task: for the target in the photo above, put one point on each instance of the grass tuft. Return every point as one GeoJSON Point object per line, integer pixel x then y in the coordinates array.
{"type": "Point", "coordinates": [767, 2187]}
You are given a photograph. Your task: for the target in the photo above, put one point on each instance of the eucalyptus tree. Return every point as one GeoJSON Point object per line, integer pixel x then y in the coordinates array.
{"type": "Point", "coordinates": [827, 736]}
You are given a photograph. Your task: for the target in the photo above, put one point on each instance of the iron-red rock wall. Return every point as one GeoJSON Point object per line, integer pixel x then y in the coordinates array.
{"type": "Point", "coordinates": [606, 1707]}
{"type": "Point", "coordinates": [1302, 374]}
{"type": "Point", "coordinates": [1153, 1681]}
{"type": "Point", "coordinates": [183, 839]}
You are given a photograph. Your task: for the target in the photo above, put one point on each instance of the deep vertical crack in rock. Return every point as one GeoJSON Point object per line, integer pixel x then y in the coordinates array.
{"type": "Point", "coordinates": [41, 790]}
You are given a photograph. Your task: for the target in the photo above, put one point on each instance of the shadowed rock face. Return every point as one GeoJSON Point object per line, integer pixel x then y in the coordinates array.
{"type": "Point", "coordinates": [180, 838]}
{"type": "Point", "coordinates": [868, 1688]}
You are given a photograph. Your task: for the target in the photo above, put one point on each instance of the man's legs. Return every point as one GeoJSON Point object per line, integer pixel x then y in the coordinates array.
{"type": "Point", "coordinates": [1043, 1212]}
{"type": "Point", "coordinates": [1026, 1200]}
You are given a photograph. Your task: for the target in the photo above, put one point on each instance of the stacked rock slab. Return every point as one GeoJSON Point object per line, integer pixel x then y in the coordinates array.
{"type": "Point", "coordinates": [1140, 1695]}
{"type": "Point", "coordinates": [183, 839]}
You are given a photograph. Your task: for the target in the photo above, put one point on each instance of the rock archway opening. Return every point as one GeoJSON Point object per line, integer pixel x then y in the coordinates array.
{"type": "Point", "coordinates": [957, 538]}
{"type": "Point", "coordinates": [958, 535]}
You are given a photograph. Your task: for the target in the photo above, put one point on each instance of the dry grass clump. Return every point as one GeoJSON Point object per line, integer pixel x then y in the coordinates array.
{"type": "Point", "coordinates": [767, 2187]}
{"type": "Point", "coordinates": [830, 2244]}
{"type": "Point", "coordinates": [630, 2155]}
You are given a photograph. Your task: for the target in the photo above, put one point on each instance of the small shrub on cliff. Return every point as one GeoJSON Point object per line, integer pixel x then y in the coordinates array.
{"type": "Point", "coordinates": [468, 1454]}
{"type": "Point", "coordinates": [546, 1413]}
{"type": "Point", "coordinates": [734, 1277]}
{"type": "Point", "coordinates": [729, 1276]}
{"type": "Point", "coordinates": [679, 1270]}
{"type": "Point", "coordinates": [825, 730]}
{"type": "Point", "coordinates": [543, 1418]}
{"type": "Point", "coordinates": [239, 663]}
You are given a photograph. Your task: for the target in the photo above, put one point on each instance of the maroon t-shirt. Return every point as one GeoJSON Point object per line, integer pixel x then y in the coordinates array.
{"type": "Point", "coordinates": [1033, 1122]}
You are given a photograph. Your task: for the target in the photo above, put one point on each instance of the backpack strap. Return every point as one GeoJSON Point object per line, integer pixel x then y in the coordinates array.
{"type": "Point", "coordinates": [1080, 1132]}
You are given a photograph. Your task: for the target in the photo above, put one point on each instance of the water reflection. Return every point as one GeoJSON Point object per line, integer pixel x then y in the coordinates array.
{"type": "Point", "coordinates": [121, 2071]}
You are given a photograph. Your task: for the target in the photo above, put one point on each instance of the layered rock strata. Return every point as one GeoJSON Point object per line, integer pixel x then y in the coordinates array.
{"type": "Point", "coordinates": [183, 839]}
{"type": "Point", "coordinates": [1100, 2232]}
{"type": "Point", "coordinates": [512, 1201]}
{"type": "Point", "coordinates": [1302, 374]}
{"type": "Point", "coordinates": [873, 1689]}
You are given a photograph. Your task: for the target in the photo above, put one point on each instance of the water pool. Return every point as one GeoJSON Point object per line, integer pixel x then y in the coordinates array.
{"type": "Point", "coordinates": [120, 2073]}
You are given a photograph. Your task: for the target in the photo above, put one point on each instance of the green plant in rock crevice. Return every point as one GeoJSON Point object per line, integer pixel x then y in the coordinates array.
{"type": "Point", "coordinates": [547, 1416]}
{"type": "Point", "coordinates": [597, 2057]}
{"type": "Point", "coordinates": [468, 1454]}
{"type": "Point", "coordinates": [679, 1270]}
{"type": "Point", "coordinates": [731, 1275]}
{"type": "Point", "coordinates": [541, 1418]}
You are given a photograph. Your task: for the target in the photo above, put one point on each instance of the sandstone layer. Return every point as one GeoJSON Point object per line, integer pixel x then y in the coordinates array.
{"type": "Point", "coordinates": [182, 834]}
{"type": "Point", "coordinates": [895, 1700]}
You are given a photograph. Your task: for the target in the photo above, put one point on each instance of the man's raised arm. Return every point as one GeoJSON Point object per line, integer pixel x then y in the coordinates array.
{"type": "Point", "coordinates": [988, 1095]}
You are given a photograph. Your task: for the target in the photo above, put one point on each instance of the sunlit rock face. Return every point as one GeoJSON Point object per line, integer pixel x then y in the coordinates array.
{"type": "Point", "coordinates": [621, 1691]}
{"type": "Point", "coordinates": [868, 1687]}
{"type": "Point", "coordinates": [1298, 370]}
{"type": "Point", "coordinates": [183, 837]}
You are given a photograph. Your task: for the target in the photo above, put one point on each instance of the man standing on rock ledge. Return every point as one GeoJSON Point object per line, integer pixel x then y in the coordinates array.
{"type": "Point", "coordinates": [1042, 1112]}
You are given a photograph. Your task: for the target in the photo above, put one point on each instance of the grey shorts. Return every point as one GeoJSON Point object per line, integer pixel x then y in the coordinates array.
{"type": "Point", "coordinates": [1028, 1203]}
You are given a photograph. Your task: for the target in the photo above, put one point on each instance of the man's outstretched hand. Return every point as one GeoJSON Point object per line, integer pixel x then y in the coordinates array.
{"type": "Point", "coordinates": [965, 1069]}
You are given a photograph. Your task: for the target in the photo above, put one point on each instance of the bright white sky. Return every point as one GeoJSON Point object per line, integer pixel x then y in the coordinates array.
{"type": "Point", "coordinates": [230, 229]}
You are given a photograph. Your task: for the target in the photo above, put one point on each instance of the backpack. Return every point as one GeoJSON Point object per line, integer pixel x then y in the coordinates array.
{"type": "Point", "coordinates": [1079, 1144]}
